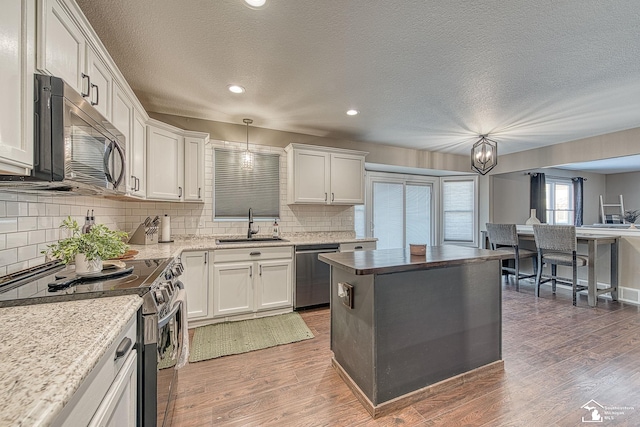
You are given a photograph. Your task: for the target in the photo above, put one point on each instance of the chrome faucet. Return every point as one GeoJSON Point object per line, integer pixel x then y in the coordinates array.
{"type": "Point", "coordinates": [251, 231]}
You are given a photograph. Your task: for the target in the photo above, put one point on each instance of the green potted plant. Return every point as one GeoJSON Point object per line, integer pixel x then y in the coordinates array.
{"type": "Point", "coordinates": [89, 249]}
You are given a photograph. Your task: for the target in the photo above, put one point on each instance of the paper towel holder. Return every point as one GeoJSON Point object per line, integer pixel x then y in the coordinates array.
{"type": "Point", "coordinates": [163, 230]}
{"type": "Point", "coordinates": [345, 293]}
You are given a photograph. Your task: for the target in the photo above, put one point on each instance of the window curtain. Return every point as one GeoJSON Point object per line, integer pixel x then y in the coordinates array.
{"type": "Point", "coordinates": [538, 196]}
{"type": "Point", "coordinates": [577, 201]}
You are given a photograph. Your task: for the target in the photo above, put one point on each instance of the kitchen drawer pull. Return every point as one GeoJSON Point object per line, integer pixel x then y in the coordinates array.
{"type": "Point", "coordinates": [123, 348]}
{"type": "Point", "coordinates": [255, 253]}
{"type": "Point", "coordinates": [358, 247]}
{"type": "Point", "coordinates": [97, 94]}
{"type": "Point", "coordinates": [84, 95]}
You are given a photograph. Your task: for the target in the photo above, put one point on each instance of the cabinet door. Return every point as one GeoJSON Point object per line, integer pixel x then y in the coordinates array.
{"type": "Point", "coordinates": [138, 156]}
{"type": "Point", "coordinates": [61, 46]}
{"type": "Point", "coordinates": [165, 164]}
{"type": "Point", "coordinates": [119, 405]}
{"type": "Point", "coordinates": [232, 288]}
{"type": "Point", "coordinates": [101, 81]}
{"type": "Point", "coordinates": [311, 180]}
{"type": "Point", "coordinates": [17, 24]}
{"type": "Point", "coordinates": [347, 179]}
{"type": "Point", "coordinates": [193, 169]}
{"type": "Point", "coordinates": [196, 281]}
{"type": "Point", "coordinates": [273, 284]}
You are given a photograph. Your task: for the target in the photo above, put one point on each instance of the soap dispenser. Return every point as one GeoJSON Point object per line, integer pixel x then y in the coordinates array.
{"type": "Point", "coordinates": [276, 229]}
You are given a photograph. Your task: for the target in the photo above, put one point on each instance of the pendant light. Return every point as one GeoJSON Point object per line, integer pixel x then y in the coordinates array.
{"type": "Point", "coordinates": [247, 157]}
{"type": "Point", "coordinates": [484, 155]}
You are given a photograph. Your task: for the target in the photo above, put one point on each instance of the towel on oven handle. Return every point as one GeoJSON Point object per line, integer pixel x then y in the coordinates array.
{"type": "Point", "coordinates": [184, 328]}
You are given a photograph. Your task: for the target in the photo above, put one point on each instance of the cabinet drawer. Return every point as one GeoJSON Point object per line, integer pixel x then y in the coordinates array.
{"type": "Point", "coordinates": [252, 254]}
{"type": "Point", "coordinates": [357, 246]}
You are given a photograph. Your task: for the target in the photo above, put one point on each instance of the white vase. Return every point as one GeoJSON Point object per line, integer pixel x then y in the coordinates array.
{"type": "Point", "coordinates": [532, 219]}
{"type": "Point", "coordinates": [84, 266]}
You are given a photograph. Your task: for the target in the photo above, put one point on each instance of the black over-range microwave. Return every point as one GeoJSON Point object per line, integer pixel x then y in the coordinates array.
{"type": "Point", "coordinates": [75, 147]}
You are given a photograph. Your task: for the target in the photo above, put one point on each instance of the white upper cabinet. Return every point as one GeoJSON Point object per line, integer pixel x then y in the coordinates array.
{"type": "Point", "coordinates": [165, 163]}
{"type": "Point", "coordinates": [17, 62]}
{"type": "Point", "coordinates": [61, 45]}
{"type": "Point", "coordinates": [137, 155]}
{"type": "Point", "coordinates": [64, 51]}
{"type": "Point", "coordinates": [100, 82]}
{"type": "Point", "coordinates": [175, 163]}
{"type": "Point", "coordinates": [321, 175]}
{"type": "Point", "coordinates": [194, 168]}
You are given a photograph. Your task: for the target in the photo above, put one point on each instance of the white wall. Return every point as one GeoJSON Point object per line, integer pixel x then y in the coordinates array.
{"type": "Point", "coordinates": [510, 195]}
{"type": "Point", "coordinates": [627, 184]}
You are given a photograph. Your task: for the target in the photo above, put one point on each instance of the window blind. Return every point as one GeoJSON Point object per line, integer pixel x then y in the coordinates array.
{"type": "Point", "coordinates": [236, 190]}
{"type": "Point", "coordinates": [458, 210]}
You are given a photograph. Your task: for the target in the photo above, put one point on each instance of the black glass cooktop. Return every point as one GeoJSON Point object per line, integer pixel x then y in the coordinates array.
{"type": "Point", "coordinates": [32, 287]}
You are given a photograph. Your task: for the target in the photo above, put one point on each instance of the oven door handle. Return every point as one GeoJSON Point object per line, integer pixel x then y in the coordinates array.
{"type": "Point", "coordinates": [162, 322]}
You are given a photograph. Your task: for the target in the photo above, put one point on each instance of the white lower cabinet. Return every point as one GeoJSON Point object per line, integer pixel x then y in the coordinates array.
{"type": "Point", "coordinates": [252, 280]}
{"type": "Point", "coordinates": [196, 281]}
{"type": "Point", "coordinates": [108, 395]}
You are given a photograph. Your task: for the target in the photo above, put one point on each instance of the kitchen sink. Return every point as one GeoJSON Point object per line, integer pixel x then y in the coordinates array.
{"type": "Point", "coordinates": [253, 240]}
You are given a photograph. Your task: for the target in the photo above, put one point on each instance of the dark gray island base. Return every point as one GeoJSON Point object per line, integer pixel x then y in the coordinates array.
{"type": "Point", "coordinates": [412, 325]}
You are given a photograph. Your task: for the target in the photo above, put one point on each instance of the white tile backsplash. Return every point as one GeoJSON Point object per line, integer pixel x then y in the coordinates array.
{"type": "Point", "coordinates": [29, 222]}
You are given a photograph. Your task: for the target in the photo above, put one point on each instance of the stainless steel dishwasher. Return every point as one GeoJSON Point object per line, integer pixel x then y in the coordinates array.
{"type": "Point", "coordinates": [312, 276]}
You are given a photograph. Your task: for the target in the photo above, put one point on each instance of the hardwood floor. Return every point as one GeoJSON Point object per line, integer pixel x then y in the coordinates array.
{"type": "Point", "coordinates": [557, 358]}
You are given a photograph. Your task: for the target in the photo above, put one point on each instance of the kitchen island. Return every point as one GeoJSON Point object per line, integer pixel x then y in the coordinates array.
{"type": "Point", "coordinates": [404, 326]}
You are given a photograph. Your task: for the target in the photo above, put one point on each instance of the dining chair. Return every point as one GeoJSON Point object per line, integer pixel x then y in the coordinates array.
{"type": "Point", "coordinates": [502, 236]}
{"type": "Point", "coordinates": [557, 245]}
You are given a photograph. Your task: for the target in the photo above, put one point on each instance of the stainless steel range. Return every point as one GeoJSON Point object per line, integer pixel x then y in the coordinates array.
{"type": "Point", "coordinates": [160, 326]}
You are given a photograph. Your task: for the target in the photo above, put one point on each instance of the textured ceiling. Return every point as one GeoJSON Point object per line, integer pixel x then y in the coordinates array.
{"type": "Point", "coordinates": [424, 74]}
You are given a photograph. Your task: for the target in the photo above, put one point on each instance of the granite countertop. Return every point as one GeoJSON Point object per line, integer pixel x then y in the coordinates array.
{"type": "Point", "coordinates": [384, 261]}
{"type": "Point", "coordinates": [49, 349]}
{"type": "Point", "coordinates": [195, 243]}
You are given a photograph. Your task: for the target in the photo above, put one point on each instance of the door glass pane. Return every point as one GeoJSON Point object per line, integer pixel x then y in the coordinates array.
{"type": "Point", "coordinates": [388, 221]}
{"type": "Point", "coordinates": [418, 214]}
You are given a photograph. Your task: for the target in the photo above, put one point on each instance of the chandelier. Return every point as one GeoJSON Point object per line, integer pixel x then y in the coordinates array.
{"type": "Point", "coordinates": [484, 155]}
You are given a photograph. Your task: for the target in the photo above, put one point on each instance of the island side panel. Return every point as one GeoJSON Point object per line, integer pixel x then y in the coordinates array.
{"type": "Point", "coordinates": [433, 324]}
{"type": "Point", "coordinates": [352, 329]}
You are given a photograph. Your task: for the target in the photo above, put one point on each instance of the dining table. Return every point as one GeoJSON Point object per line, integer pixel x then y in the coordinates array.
{"type": "Point", "coordinates": [593, 241]}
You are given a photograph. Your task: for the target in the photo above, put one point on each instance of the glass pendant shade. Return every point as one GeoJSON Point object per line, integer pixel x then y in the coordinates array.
{"type": "Point", "coordinates": [246, 162]}
{"type": "Point", "coordinates": [484, 155]}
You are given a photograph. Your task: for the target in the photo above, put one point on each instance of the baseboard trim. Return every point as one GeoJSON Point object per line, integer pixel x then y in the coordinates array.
{"type": "Point", "coordinates": [408, 399]}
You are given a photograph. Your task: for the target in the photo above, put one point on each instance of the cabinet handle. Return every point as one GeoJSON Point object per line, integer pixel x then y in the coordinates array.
{"type": "Point", "coordinates": [260, 270]}
{"type": "Point", "coordinates": [133, 187]}
{"type": "Point", "coordinates": [123, 348]}
{"type": "Point", "coordinates": [357, 247]}
{"type": "Point", "coordinates": [179, 192]}
{"type": "Point", "coordinates": [199, 192]}
{"type": "Point", "coordinates": [325, 197]}
{"type": "Point", "coordinates": [97, 94]}
{"type": "Point", "coordinates": [84, 95]}
{"type": "Point", "coordinates": [250, 271]}
{"type": "Point", "coordinates": [206, 257]}
{"type": "Point", "coordinates": [332, 197]}
{"type": "Point", "coordinates": [254, 253]}
{"type": "Point", "coordinates": [137, 184]}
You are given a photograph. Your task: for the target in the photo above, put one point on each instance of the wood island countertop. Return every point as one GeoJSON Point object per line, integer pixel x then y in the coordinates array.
{"type": "Point", "coordinates": [383, 261]}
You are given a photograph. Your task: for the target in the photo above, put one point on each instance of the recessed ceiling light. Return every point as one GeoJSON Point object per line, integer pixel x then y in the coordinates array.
{"type": "Point", "coordinates": [255, 4]}
{"type": "Point", "coordinates": [352, 112]}
{"type": "Point", "coordinates": [236, 89]}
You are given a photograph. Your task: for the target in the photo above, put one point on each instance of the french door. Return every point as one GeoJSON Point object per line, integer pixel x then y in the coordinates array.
{"type": "Point", "coordinates": [401, 210]}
